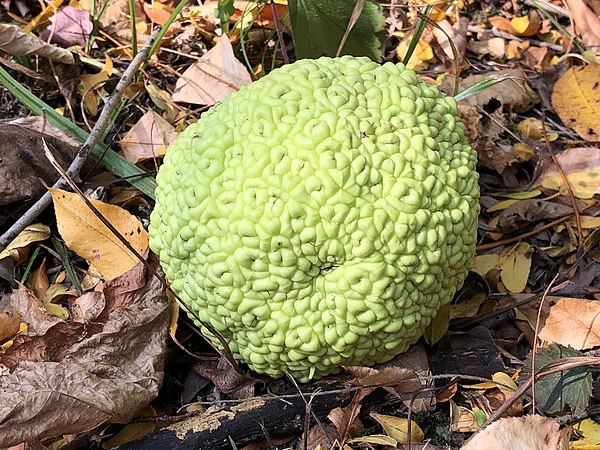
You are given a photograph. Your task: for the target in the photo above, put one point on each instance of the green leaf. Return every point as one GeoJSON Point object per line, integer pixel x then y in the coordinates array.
{"type": "Point", "coordinates": [318, 27]}
{"type": "Point", "coordinates": [561, 391]}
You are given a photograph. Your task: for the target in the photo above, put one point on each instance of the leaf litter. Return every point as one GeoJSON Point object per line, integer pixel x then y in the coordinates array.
{"type": "Point", "coordinates": [111, 338]}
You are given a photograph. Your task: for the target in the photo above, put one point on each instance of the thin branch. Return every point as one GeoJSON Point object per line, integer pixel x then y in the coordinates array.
{"type": "Point", "coordinates": [83, 154]}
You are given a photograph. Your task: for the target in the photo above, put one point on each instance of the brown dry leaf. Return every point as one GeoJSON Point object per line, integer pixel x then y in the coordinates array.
{"type": "Point", "coordinates": [63, 381]}
{"type": "Point", "coordinates": [581, 165]}
{"type": "Point", "coordinates": [148, 138]}
{"type": "Point", "coordinates": [397, 428]}
{"type": "Point", "coordinates": [457, 32]}
{"type": "Point", "coordinates": [587, 24]}
{"type": "Point", "coordinates": [162, 99]}
{"type": "Point", "coordinates": [403, 376]}
{"type": "Point", "coordinates": [493, 46]}
{"type": "Point", "coordinates": [526, 212]}
{"type": "Point", "coordinates": [36, 232]}
{"type": "Point", "coordinates": [18, 43]}
{"type": "Point", "coordinates": [567, 321]}
{"type": "Point", "coordinates": [157, 12]}
{"type": "Point", "coordinates": [576, 99]}
{"type": "Point", "coordinates": [86, 235]}
{"type": "Point", "coordinates": [88, 307]}
{"type": "Point", "coordinates": [226, 378]}
{"type": "Point", "coordinates": [210, 79]}
{"type": "Point", "coordinates": [24, 164]}
{"type": "Point", "coordinates": [520, 433]}
{"type": "Point", "coordinates": [461, 419]}
{"type": "Point", "coordinates": [10, 321]}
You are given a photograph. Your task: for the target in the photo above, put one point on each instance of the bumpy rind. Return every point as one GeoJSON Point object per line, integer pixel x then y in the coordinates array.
{"type": "Point", "coordinates": [319, 216]}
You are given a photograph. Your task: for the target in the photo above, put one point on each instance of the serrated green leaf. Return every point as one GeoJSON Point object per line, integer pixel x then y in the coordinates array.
{"type": "Point", "coordinates": [319, 25]}
{"type": "Point", "coordinates": [561, 391]}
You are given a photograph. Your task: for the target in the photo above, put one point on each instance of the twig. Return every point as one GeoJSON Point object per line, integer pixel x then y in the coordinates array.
{"type": "Point", "coordinates": [565, 181]}
{"type": "Point", "coordinates": [491, 245]}
{"type": "Point", "coordinates": [284, 54]}
{"type": "Point", "coordinates": [504, 35]}
{"type": "Point", "coordinates": [92, 140]}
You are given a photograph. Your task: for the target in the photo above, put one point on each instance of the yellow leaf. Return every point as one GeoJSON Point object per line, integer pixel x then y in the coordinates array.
{"type": "Point", "coordinates": [86, 235]}
{"type": "Point", "coordinates": [438, 326]}
{"type": "Point", "coordinates": [374, 439]}
{"type": "Point", "coordinates": [57, 310]}
{"type": "Point", "coordinates": [33, 233]}
{"type": "Point", "coordinates": [576, 99]}
{"type": "Point", "coordinates": [515, 267]}
{"type": "Point", "coordinates": [590, 431]}
{"type": "Point", "coordinates": [420, 58]}
{"type": "Point", "coordinates": [583, 184]}
{"type": "Point", "coordinates": [505, 383]}
{"type": "Point", "coordinates": [502, 205]}
{"type": "Point", "coordinates": [397, 428]}
{"type": "Point", "coordinates": [56, 291]}
{"type": "Point", "coordinates": [484, 263]}
{"type": "Point", "coordinates": [589, 222]}
{"type": "Point", "coordinates": [520, 24]}
{"type": "Point", "coordinates": [519, 195]}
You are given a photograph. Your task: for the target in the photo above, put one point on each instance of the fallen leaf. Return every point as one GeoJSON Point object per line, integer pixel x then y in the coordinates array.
{"type": "Point", "coordinates": [559, 392]}
{"type": "Point", "coordinates": [374, 439]}
{"type": "Point", "coordinates": [462, 420]}
{"type": "Point", "coordinates": [70, 26]}
{"type": "Point", "coordinates": [10, 321]}
{"type": "Point", "coordinates": [75, 381]}
{"type": "Point", "coordinates": [36, 232]}
{"type": "Point", "coordinates": [85, 234]}
{"type": "Point", "coordinates": [24, 164]}
{"type": "Point", "coordinates": [590, 431]}
{"type": "Point", "coordinates": [581, 166]}
{"type": "Point", "coordinates": [213, 77]}
{"type": "Point", "coordinates": [421, 57]}
{"type": "Point", "coordinates": [456, 32]}
{"type": "Point", "coordinates": [88, 307]}
{"type": "Point", "coordinates": [18, 43]}
{"type": "Point", "coordinates": [148, 138]}
{"type": "Point", "coordinates": [528, 212]}
{"type": "Point", "coordinates": [567, 321]}
{"type": "Point", "coordinates": [515, 265]}
{"type": "Point", "coordinates": [576, 99]}
{"type": "Point", "coordinates": [397, 428]}
{"type": "Point", "coordinates": [587, 24]}
{"type": "Point", "coordinates": [157, 12]}
{"type": "Point", "coordinates": [520, 433]}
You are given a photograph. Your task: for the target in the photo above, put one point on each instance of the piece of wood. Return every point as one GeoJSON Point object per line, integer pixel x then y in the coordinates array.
{"type": "Point", "coordinates": [254, 420]}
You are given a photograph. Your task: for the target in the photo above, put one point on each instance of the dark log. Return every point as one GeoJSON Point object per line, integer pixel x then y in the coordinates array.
{"type": "Point", "coordinates": [254, 420]}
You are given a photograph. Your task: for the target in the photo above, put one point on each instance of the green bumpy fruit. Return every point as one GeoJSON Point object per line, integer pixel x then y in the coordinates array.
{"type": "Point", "coordinates": [319, 216]}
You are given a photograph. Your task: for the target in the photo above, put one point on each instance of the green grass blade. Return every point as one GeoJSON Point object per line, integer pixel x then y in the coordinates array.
{"type": "Point", "coordinates": [419, 28]}
{"type": "Point", "coordinates": [107, 157]}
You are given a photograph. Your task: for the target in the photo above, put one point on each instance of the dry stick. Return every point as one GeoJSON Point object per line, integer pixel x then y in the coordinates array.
{"type": "Point", "coordinates": [284, 54]}
{"type": "Point", "coordinates": [565, 181]}
{"type": "Point", "coordinates": [83, 154]}
{"type": "Point", "coordinates": [531, 233]}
